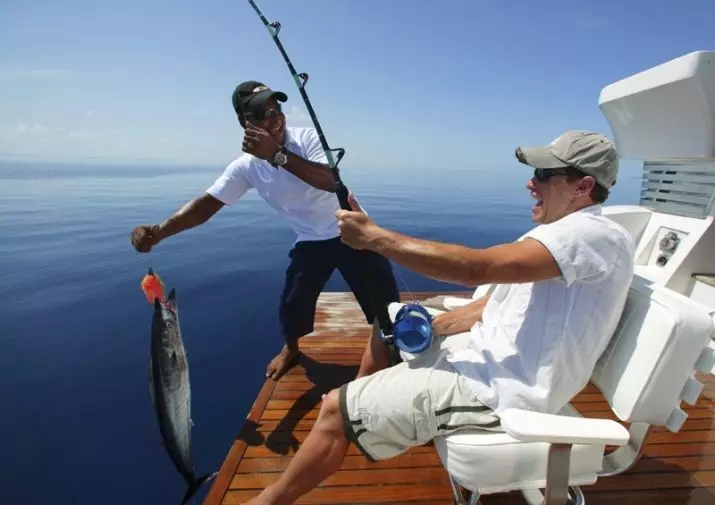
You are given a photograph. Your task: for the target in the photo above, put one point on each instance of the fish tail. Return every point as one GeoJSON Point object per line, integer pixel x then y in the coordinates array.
{"type": "Point", "coordinates": [193, 489]}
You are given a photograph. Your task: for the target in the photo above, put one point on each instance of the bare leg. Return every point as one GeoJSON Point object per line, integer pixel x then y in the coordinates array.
{"type": "Point", "coordinates": [283, 361]}
{"type": "Point", "coordinates": [375, 357]}
{"type": "Point", "coordinates": [320, 455]}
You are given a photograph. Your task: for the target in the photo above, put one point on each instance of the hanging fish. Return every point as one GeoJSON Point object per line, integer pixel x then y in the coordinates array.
{"type": "Point", "coordinates": [169, 381]}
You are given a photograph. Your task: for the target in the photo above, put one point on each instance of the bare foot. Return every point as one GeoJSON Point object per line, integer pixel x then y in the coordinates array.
{"type": "Point", "coordinates": [281, 363]}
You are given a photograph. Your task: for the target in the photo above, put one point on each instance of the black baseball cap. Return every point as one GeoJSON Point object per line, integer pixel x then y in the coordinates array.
{"type": "Point", "coordinates": [251, 96]}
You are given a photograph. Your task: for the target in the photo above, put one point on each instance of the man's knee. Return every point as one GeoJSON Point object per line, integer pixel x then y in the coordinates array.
{"type": "Point", "coordinates": [377, 354]}
{"type": "Point", "coordinates": [330, 417]}
{"type": "Point", "coordinates": [330, 407]}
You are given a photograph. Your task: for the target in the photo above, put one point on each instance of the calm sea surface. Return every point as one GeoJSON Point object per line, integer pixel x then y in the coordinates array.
{"type": "Point", "coordinates": [77, 423]}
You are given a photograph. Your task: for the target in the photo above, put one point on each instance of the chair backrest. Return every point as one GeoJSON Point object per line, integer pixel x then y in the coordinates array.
{"type": "Point", "coordinates": [648, 366]}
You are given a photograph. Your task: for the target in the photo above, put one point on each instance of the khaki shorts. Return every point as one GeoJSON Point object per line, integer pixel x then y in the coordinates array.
{"type": "Point", "coordinates": [409, 404]}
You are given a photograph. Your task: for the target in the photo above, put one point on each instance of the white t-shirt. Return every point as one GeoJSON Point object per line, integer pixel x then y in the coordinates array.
{"type": "Point", "coordinates": [538, 342]}
{"type": "Point", "coordinates": [309, 211]}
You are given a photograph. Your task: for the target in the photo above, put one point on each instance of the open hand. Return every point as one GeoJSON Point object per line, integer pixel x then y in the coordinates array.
{"type": "Point", "coordinates": [259, 142]}
{"type": "Point", "coordinates": [356, 229]}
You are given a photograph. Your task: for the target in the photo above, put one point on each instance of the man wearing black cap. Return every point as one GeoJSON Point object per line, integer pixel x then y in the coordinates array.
{"type": "Point", "coordinates": [288, 169]}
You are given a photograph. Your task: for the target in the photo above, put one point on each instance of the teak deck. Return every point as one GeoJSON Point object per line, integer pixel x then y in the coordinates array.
{"type": "Point", "coordinates": [676, 468]}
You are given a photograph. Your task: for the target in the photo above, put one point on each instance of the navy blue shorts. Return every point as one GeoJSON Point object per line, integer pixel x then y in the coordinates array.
{"type": "Point", "coordinates": [312, 264]}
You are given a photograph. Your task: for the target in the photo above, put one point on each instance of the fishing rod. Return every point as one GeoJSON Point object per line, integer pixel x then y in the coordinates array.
{"type": "Point", "coordinates": [341, 190]}
{"type": "Point", "coordinates": [300, 81]}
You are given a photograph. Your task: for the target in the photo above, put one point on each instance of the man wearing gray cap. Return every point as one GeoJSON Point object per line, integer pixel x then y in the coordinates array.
{"type": "Point", "coordinates": [574, 154]}
{"type": "Point", "coordinates": [288, 169]}
{"type": "Point", "coordinates": [532, 342]}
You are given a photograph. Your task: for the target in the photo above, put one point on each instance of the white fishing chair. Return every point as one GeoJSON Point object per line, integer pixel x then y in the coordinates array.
{"type": "Point", "coordinates": [644, 373]}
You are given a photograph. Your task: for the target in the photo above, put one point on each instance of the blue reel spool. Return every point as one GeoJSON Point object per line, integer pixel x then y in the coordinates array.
{"type": "Point", "coordinates": [412, 330]}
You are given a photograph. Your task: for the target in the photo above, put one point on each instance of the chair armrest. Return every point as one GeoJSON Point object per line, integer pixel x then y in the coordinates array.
{"type": "Point", "coordinates": [531, 426]}
{"type": "Point", "coordinates": [452, 302]}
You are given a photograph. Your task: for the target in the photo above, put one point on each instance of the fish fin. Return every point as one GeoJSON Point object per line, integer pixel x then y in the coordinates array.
{"type": "Point", "coordinates": [150, 271]}
{"type": "Point", "coordinates": [171, 300]}
{"type": "Point", "coordinates": [196, 486]}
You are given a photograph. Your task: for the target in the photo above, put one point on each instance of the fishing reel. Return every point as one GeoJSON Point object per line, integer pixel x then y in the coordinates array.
{"type": "Point", "coordinates": [412, 330]}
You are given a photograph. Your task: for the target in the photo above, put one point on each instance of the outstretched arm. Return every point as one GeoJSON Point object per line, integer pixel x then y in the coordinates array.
{"type": "Point", "coordinates": [194, 213]}
{"type": "Point", "coordinates": [523, 261]}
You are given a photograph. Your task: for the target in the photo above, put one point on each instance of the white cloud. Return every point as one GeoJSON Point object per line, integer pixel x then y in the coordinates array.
{"type": "Point", "coordinates": [83, 135]}
{"type": "Point", "coordinates": [43, 141]}
{"type": "Point", "coordinates": [298, 116]}
{"type": "Point", "coordinates": [28, 129]}
{"type": "Point", "coordinates": [37, 131]}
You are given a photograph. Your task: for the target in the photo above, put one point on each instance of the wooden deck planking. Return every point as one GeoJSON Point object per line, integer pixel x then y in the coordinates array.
{"type": "Point", "coordinates": [676, 468]}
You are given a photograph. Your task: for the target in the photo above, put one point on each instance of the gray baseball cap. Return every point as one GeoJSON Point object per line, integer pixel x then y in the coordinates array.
{"type": "Point", "coordinates": [589, 152]}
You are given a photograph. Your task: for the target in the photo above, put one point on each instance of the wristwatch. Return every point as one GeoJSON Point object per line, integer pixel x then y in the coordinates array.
{"type": "Point", "coordinates": [280, 158]}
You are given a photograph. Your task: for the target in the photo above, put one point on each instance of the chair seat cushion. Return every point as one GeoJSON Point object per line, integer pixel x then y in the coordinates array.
{"type": "Point", "coordinates": [495, 462]}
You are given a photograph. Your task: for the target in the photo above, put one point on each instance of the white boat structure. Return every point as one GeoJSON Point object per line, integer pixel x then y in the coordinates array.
{"type": "Point", "coordinates": [642, 432]}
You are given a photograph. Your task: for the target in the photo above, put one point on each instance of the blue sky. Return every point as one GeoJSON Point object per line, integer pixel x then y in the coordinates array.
{"type": "Point", "coordinates": [397, 83]}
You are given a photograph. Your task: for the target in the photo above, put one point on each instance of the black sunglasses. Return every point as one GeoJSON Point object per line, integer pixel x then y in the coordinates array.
{"type": "Point", "coordinates": [544, 174]}
{"type": "Point", "coordinates": [262, 114]}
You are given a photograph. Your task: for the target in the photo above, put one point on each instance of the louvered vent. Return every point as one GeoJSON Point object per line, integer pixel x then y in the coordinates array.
{"type": "Point", "coordinates": [684, 189]}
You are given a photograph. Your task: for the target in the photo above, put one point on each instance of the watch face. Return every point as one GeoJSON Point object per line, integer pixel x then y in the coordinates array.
{"type": "Point", "coordinates": [280, 158]}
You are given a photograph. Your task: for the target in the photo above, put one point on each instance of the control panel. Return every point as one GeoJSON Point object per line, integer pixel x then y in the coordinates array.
{"type": "Point", "coordinates": [666, 244]}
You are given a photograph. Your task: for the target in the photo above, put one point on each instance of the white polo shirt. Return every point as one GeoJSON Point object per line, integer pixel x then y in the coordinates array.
{"type": "Point", "coordinates": [538, 342]}
{"type": "Point", "coordinates": [309, 211]}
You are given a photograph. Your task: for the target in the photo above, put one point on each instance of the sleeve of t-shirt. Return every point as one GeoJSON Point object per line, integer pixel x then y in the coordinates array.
{"type": "Point", "coordinates": [232, 184]}
{"type": "Point", "coordinates": [581, 247]}
{"type": "Point", "coordinates": [313, 148]}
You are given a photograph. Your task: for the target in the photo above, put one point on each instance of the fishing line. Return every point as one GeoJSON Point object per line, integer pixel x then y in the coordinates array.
{"type": "Point", "coordinates": [410, 296]}
{"type": "Point", "coordinates": [333, 159]}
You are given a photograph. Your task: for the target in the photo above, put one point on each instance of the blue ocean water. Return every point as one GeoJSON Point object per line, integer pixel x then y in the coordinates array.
{"type": "Point", "coordinates": [77, 421]}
